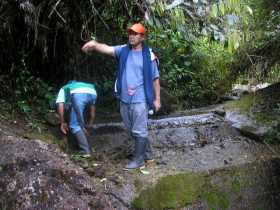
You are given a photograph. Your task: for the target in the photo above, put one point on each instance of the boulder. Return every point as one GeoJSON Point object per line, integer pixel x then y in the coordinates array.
{"type": "Point", "coordinates": [246, 125]}
{"type": "Point", "coordinates": [35, 175]}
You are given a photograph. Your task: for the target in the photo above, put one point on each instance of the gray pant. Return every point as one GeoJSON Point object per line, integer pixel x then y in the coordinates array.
{"type": "Point", "coordinates": [135, 118]}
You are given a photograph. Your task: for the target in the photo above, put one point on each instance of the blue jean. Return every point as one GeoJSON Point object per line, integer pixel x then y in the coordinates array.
{"type": "Point", "coordinates": [82, 102]}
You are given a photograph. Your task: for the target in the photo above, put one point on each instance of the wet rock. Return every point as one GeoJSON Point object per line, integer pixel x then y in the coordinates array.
{"type": "Point", "coordinates": [254, 115]}
{"type": "Point", "coordinates": [198, 119]}
{"type": "Point", "coordinates": [203, 142]}
{"type": "Point", "coordinates": [251, 130]}
{"type": "Point", "coordinates": [220, 111]}
{"type": "Point", "coordinates": [248, 186]}
{"type": "Point", "coordinates": [230, 98]}
{"type": "Point", "coordinates": [239, 90]}
{"type": "Point", "coordinates": [38, 176]}
{"type": "Point", "coordinates": [246, 126]}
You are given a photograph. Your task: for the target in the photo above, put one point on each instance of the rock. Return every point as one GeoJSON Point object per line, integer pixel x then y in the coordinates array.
{"type": "Point", "coordinates": [52, 118]}
{"type": "Point", "coordinates": [222, 146]}
{"type": "Point", "coordinates": [251, 130]}
{"type": "Point", "coordinates": [254, 88]}
{"type": "Point", "coordinates": [203, 142]}
{"type": "Point", "coordinates": [230, 98]}
{"type": "Point", "coordinates": [36, 176]}
{"type": "Point", "coordinates": [239, 90]}
{"type": "Point", "coordinates": [246, 126]}
{"type": "Point", "coordinates": [99, 172]}
{"type": "Point", "coordinates": [220, 111]}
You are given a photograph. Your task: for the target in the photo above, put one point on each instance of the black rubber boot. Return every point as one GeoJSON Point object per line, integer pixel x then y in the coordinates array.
{"type": "Point", "coordinates": [139, 153]}
{"type": "Point", "coordinates": [149, 157]}
{"type": "Point", "coordinates": [130, 145]}
{"type": "Point", "coordinates": [83, 143]}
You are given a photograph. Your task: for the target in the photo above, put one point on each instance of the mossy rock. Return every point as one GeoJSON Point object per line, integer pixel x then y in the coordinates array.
{"type": "Point", "coordinates": [175, 191]}
{"type": "Point", "coordinates": [250, 185]}
{"type": "Point", "coordinates": [261, 106]}
{"type": "Point", "coordinates": [170, 192]}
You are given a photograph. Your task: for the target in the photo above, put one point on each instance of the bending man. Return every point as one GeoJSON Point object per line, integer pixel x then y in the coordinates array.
{"type": "Point", "coordinates": [80, 98]}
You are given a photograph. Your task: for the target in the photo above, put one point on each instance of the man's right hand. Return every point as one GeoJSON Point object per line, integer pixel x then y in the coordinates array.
{"type": "Point", "coordinates": [64, 128]}
{"type": "Point", "coordinates": [89, 46]}
{"type": "Point", "coordinates": [98, 47]}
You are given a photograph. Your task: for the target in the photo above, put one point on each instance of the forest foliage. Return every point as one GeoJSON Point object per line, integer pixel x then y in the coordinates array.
{"type": "Point", "coordinates": [203, 46]}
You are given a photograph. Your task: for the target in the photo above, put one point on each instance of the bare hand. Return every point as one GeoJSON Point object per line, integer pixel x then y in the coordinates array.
{"type": "Point", "coordinates": [157, 105]}
{"type": "Point", "coordinates": [64, 128]}
{"type": "Point", "coordinates": [88, 46]}
{"type": "Point", "coordinates": [88, 129]}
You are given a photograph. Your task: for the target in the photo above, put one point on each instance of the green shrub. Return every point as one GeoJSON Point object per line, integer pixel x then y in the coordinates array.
{"type": "Point", "coordinates": [194, 70]}
{"type": "Point", "coordinates": [210, 62]}
{"type": "Point", "coordinates": [31, 93]}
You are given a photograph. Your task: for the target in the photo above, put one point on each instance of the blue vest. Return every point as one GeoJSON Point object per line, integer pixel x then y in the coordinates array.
{"type": "Point", "coordinates": [147, 73]}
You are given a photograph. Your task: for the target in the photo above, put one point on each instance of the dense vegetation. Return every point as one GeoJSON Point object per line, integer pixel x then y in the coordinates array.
{"type": "Point", "coordinates": [204, 46]}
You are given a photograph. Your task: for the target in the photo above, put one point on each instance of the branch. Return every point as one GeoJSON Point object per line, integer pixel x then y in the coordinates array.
{"type": "Point", "coordinates": [59, 15]}
{"type": "Point", "coordinates": [54, 8]}
{"type": "Point", "coordinates": [94, 10]}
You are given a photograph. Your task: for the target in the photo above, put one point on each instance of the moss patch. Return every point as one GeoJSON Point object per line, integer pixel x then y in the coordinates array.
{"type": "Point", "coordinates": [170, 192]}
{"type": "Point", "coordinates": [220, 189]}
{"type": "Point", "coordinates": [138, 185]}
{"type": "Point", "coordinates": [175, 191]}
{"type": "Point", "coordinates": [256, 107]}
{"type": "Point", "coordinates": [216, 199]}
{"type": "Point", "coordinates": [245, 104]}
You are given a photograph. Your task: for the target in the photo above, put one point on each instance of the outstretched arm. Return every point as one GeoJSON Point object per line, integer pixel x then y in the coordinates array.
{"type": "Point", "coordinates": [157, 103]}
{"type": "Point", "coordinates": [63, 125]}
{"type": "Point", "coordinates": [98, 47]}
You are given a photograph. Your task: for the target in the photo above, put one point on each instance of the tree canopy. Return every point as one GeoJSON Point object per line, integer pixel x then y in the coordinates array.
{"type": "Point", "coordinates": [203, 45]}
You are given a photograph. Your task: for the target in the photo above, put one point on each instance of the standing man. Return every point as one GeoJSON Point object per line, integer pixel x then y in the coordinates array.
{"type": "Point", "coordinates": [79, 98]}
{"type": "Point", "coordinates": [137, 87]}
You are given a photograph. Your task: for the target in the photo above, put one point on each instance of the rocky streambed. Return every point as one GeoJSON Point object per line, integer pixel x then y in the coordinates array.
{"type": "Point", "coordinates": [201, 162]}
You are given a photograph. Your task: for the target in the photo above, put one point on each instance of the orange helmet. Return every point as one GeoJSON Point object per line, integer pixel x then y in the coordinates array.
{"type": "Point", "coordinates": [138, 28]}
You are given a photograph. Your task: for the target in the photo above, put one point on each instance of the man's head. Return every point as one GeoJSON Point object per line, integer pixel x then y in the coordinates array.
{"type": "Point", "coordinates": [136, 34]}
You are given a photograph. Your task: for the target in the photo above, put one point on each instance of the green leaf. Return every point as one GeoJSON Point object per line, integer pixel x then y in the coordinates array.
{"type": "Point", "coordinates": [249, 9]}
{"type": "Point", "coordinates": [187, 63]}
{"type": "Point", "coordinates": [222, 8]}
{"type": "Point", "coordinates": [214, 11]}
